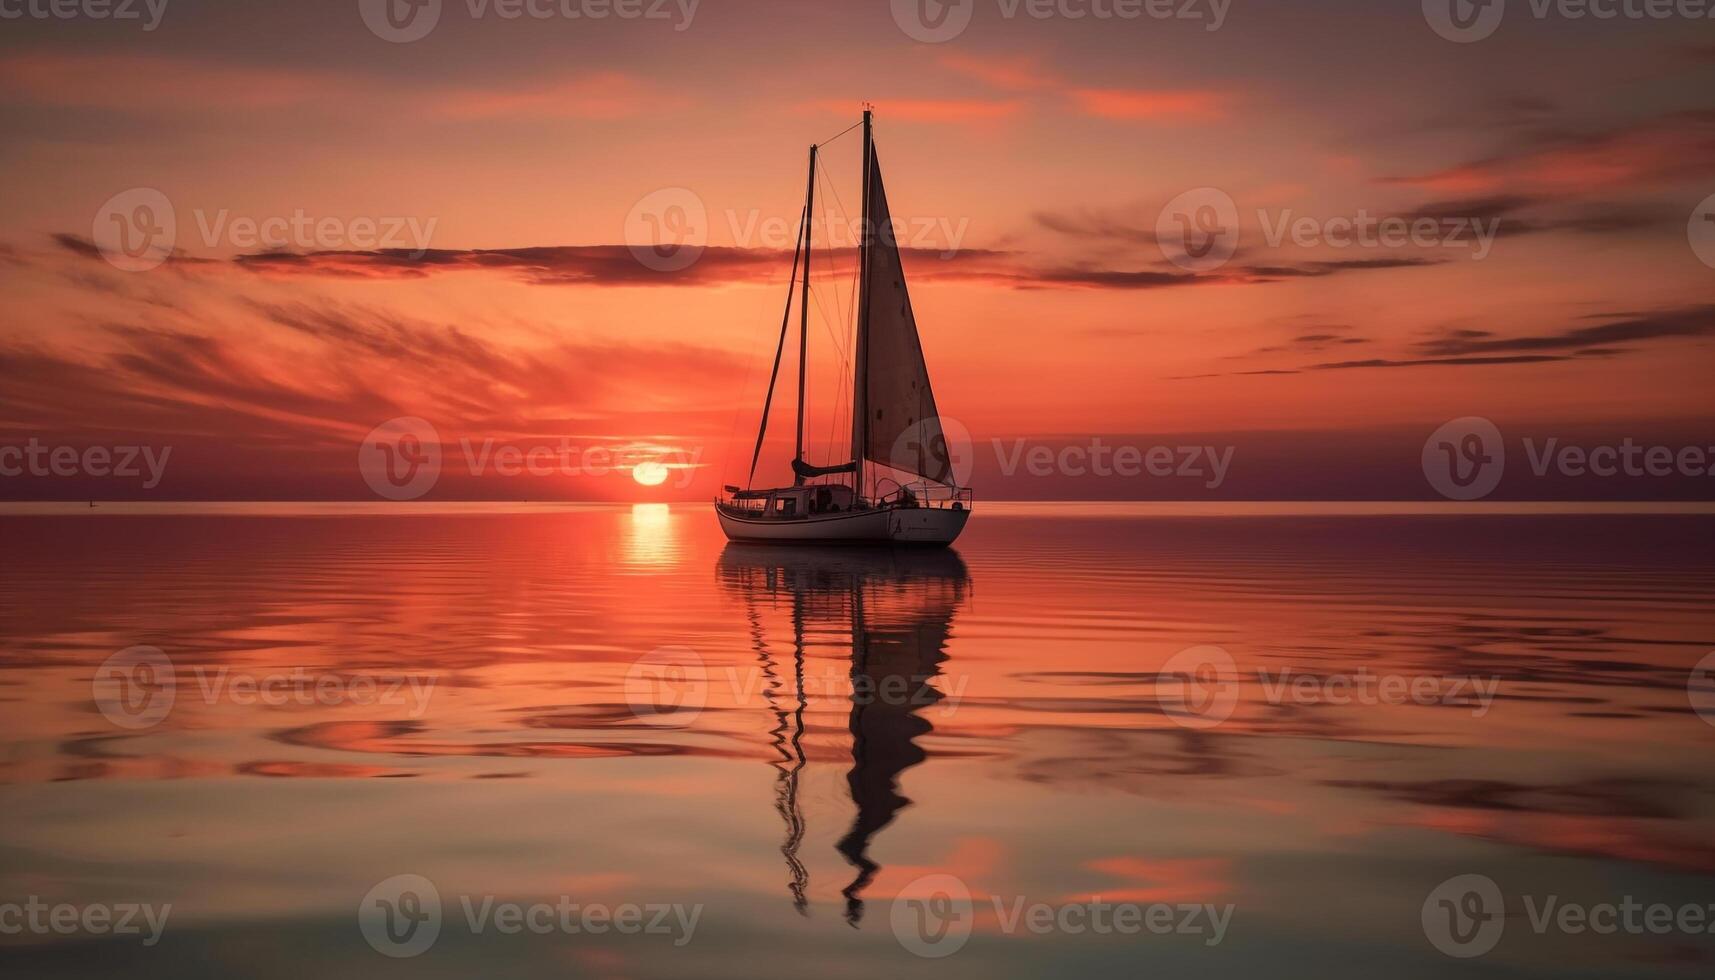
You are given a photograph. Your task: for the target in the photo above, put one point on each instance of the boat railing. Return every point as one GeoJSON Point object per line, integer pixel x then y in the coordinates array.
{"type": "Point", "coordinates": [757, 505]}
{"type": "Point", "coordinates": [933, 496]}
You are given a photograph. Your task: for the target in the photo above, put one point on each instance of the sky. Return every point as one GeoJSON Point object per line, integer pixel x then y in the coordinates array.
{"type": "Point", "coordinates": [243, 235]}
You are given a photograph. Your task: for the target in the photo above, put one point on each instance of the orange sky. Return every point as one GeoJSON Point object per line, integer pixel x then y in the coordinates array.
{"type": "Point", "coordinates": [1030, 159]}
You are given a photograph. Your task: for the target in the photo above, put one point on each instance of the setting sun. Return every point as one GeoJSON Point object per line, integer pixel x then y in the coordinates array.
{"type": "Point", "coordinates": [649, 473]}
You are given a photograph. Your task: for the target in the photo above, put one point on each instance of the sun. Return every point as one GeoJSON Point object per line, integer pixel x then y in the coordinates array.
{"type": "Point", "coordinates": [649, 473]}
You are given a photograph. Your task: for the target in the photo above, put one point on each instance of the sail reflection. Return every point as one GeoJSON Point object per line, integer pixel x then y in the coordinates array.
{"type": "Point", "coordinates": [893, 613]}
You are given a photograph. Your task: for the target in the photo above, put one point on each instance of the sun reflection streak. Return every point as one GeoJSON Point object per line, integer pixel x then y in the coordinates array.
{"type": "Point", "coordinates": [651, 539]}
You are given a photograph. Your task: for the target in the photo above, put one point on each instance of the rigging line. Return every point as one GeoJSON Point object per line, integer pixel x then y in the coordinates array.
{"type": "Point", "coordinates": [739, 402]}
{"type": "Point", "coordinates": [840, 134]}
{"type": "Point", "coordinates": [832, 252]}
{"type": "Point", "coordinates": [822, 313]}
{"type": "Point", "coordinates": [841, 344]}
{"type": "Point", "coordinates": [833, 189]}
{"type": "Point", "coordinates": [845, 388]}
{"type": "Point", "coordinates": [844, 346]}
{"type": "Point", "coordinates": [780, 348]}
{"type": "Point", "coordinates": [839, 391]}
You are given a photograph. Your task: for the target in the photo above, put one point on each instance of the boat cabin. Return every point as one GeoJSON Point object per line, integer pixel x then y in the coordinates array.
{"type": "Point", "coordinates": [791, 503]}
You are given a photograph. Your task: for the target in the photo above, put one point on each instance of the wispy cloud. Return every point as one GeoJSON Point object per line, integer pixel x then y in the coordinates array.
{"type": "Point", "coordinates": [1672, 147]}
{"type": "Point", "coordinates": [1693, 321]}
{"type": "Point", "coordinates": [1026, 74]}
{"type": "Point", "coordinates": [166, 85]}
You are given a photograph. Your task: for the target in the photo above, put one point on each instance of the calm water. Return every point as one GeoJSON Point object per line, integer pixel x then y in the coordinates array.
{"type": "Point", "coordinates": [801, 763]}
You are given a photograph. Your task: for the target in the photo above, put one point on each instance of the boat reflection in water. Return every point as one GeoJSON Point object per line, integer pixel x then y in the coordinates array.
{"type": "Point", "coordinates": [894, 611]}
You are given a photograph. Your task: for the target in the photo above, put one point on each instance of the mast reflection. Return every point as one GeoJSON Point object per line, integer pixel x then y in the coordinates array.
{"type": "Point", "coordinates": [894, 611]}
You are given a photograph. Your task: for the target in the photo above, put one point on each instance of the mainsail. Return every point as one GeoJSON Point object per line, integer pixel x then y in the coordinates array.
{"type": "Point", "coordinates": [896, 424]}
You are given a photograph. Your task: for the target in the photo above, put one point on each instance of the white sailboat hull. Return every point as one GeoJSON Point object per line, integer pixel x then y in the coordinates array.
{"type": "Point", "coordinates": [892, 525]}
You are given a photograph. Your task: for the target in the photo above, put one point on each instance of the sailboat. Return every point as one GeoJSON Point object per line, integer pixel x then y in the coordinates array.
{"type": "Point", "coordinates": [899, 486]}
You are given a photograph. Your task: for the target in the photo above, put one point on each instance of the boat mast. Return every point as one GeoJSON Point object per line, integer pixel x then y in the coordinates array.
{"type": "Point", "coordinates": [804, 311]}
{"type": "Point", "coordinates": [860, 360]}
